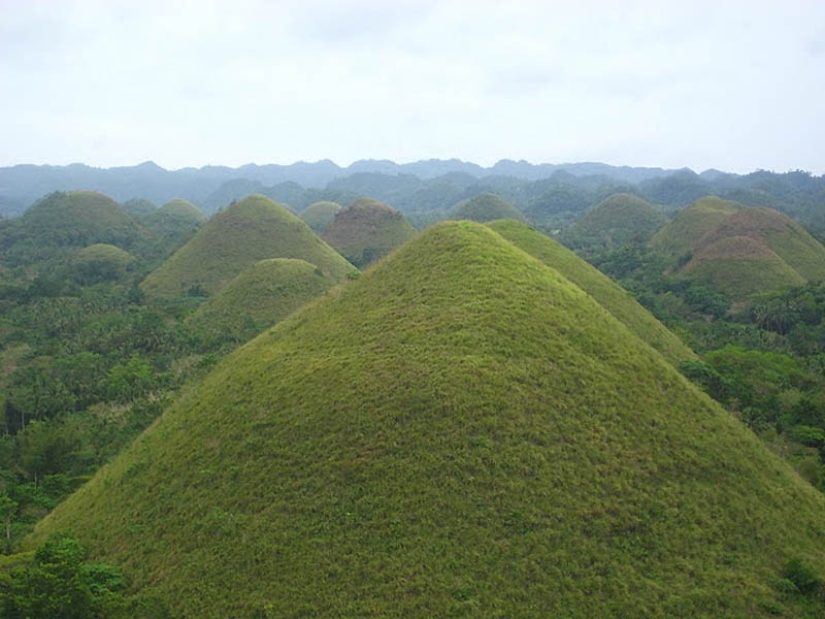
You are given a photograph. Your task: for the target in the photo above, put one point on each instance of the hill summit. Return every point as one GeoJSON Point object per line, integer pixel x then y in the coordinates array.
{"type": "Point", "coordinates": [462, 431]}
{"type": "Point", "coordinates": [253, 229]}
{"type": "Point", "coordinates": [485, 207]}
{"type": "Point", "coordinates": [615, 220]}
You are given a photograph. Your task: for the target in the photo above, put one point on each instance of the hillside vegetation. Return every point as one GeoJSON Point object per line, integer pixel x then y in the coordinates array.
{"type": "Point", "coordinates": [366, 231]}
{"type": "Point", "coordinates": [605, 291]}
{"type": "Point", "coordinates": [485, 207]}
{"type": "Point", "coordinates": [319, 215]}
{"type": "Point", "coordinates": [261, 296]}
{"type": "Point", "coordinates": [690, 224]}
{"type": "Point", "coordinates": [460, 432]}
{"type": "Point", "coordinates": [616, 220]}
{"type": "Point", "coordinates": [251, 230]}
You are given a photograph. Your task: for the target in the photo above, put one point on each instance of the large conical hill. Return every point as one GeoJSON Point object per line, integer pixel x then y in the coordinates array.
{"type": "Point", "coordinates": [366, 231]}
{"type": "Point", "coordinates": [616, 220]}
{"type": "Point", "coordinates": [253, 229]}
{"type": "Point", "coordinates": [461, 431]}
{"type": "Point", "coordinates": [261, 296]}
{"type": "Point", "coordinates": [680, 236]}
{"type": "Point", "coordinates": [485, 207]}
{"type": "Point", "coordinates": [610, 295]}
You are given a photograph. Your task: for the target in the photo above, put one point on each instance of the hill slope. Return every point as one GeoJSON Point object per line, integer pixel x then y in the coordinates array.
{"type": "Point", "coordinates": [605, 291]}
{"type": "Point", "coordinates": [261, 296]}
{"type": "Point", "coordinates": [256, 228]}
{"type": "Point", "coordinates": [479, 438]}
{"type": "Point", "coordinates": [366, 231]}
{"type": "Point", "coordinates": [485, 207]}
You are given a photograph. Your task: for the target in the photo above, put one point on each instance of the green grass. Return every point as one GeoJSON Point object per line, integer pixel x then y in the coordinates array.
{"type": "Point", "coordinates": [366, 231]}
{"type": "Point", "coordinates": [461, 431]}
{"type": "Point", "coordinates": [615, 220]}
{"type": "Point", "coordinates": [485, 207]}
{"type": "Point", "coordinates": [682, 235]}
{"type": "Point", "coordinates": [261, 296]}
{"type": "Point", "coordinates": [256, 228]}
{"type": "Point", "coordinates": [320, 214]}
{"type": "Point", "coordinates": [605, 291]}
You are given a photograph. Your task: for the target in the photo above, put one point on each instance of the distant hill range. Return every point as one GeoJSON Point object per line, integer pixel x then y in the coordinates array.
{"type": "Point", "coordinates": [546, 193]}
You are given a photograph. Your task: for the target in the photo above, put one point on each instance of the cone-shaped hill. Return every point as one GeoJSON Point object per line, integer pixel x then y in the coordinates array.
{"type": "Point", "coordinates": [756, 250]}
{"type": "Point", "coordinates": [366, 231]}
{"type": "Point", "coordinates": [604, 290]}
{"type": "Point", "coordinates": [485, 207]}
{"type": "Point", "coordinates": [256, 228]}
{"type": "Point", "coordinates": [681, 235]}
{"type": "Point", "coordinates": [262, 295]}
{"type": "Point", "coordinates": [460, 431]}
{"type": "Point", "coordinates": [78, 219]}
{"type": "Point", "coordinates": [99, 263]}
{"type": "Point", "coordinates": [320, 214]}
{"type": "Point", "coordinates": [616, 220]}
{"type": "Point", "coordinates": [176, 221]}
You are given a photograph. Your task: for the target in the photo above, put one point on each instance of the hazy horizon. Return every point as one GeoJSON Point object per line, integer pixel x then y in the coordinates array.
{"type": "Point", "coordinates": [736, 87]}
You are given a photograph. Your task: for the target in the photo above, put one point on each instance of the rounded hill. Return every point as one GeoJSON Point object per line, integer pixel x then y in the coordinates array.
{"type": "Point", "coordinates": [462, 431]}
{"type": "Point", "coordinates": [680, 236]}
{"type": "Point", "coordinates": [486, 207]}
{"type": "Point", "coordinates": [100, 262]}
{"type": "Point", "coordinates": [616, 220]}
{"type": "Point", "coordinates": [78, 219]}
{"type": "Point", "coordinates": [366, 231]}
{"type": "Point", "coordinates": [253, 229]}
{"type": "Point", "coordinates": [320, 214]}
{"type": "Point", "coordinates": [176, 220]}
{"type": "Point", "coordinates": [259, 297]}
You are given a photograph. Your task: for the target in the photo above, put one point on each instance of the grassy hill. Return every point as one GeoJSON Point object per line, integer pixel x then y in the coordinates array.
{"type": "Point", "coordinates": [460, 432]}
{"type": "Point", "coordinates": [68, 220]}
{"type": "Point", "coordinates": [100, 262]}
{"type": "Point", "coordinates": [254, 229]}
{"type": "Point", "coordinates": [366, 231]}
{"type": "Point", "coordinates": [605, 291]}
{"type": "Point", "coordinates": [261, 296]}
{"type": "Point", "coordinates": [320, 214]}
{"type": "Point", "coordinates": [485, 207]}
{"type": "Point", "coordinates": [614, 221]}
{"type": "Point", "coordinates": [689, 225]}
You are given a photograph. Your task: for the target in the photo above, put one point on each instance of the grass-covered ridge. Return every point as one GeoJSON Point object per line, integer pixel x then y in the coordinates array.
{"type": "Point", "coordinates": [319, 215]}
{"type": "Point", "coordinates": [461, 431]}
{"type": "Point", "coordinates": [366, 231]}
{"type": "Point", "coordinates": [261, 296]}
{"type": "Point", "coordinates": [485, 207]}
{"type": "Point", "coordinates": [605, 291]}
{"type": "Point", "coordinates": [615, 220]}
{"type": "Point", "coordinates": [253, 229]}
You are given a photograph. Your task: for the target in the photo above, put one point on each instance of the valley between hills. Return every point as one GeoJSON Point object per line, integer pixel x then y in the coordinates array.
{"type": "Point", "coordinates": [417, 390]}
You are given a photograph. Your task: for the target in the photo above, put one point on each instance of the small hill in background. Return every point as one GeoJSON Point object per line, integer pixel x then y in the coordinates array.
{"type": "Point", "coordinates": [254, 229]}
{"type": "Point", "coordinates": [175, 222]}
{"type": "Point", "coordinates": [366, 231]}
{"type": "Point", "coordinates": [319, 215]}
{"type": "Point", "coordinates": [485, 207]}
{"type": "Point", "coordinates": [462, 431]}
{"type": "Point", "coordinates": [679, 238]}
{"type": "Point", "coordinates": [138, 207]}
{"type": "Point", "coordinates": [259, 297]}
{"type": "Point", "coordinates": [755, 250]}
{"type": "Point", "coordinates": [100, 263]}
{"type": "Point", "coordinates": [614, 221]}
{"type": "Point", "coordinates": [604, 290]}
{"type": "Point", "coordinates": [65, 221]}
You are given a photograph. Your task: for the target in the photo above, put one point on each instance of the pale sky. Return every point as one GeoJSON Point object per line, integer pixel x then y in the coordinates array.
{"type": "Point", "coordinates": [731, 85]}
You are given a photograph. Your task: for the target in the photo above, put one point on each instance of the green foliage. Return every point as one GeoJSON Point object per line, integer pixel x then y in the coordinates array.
{"type": "Point", "coordinates": [319, 215]}
{"type": "Point", "coordinates": [803, 575]}
{"type": "Point", "coordinates": [485, 207]}
{"type": "Point", "coordinates": [462, 430]}
{"type": "Point", "coordinates": [614, 222]}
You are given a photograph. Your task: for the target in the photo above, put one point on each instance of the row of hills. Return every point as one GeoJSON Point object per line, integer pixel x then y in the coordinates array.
{"type": "Point", "coordinates": [464, 420]}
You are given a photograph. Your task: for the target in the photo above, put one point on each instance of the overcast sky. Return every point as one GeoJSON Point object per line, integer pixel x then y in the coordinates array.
{"type": "Point", "coordinates": [729, 85]}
